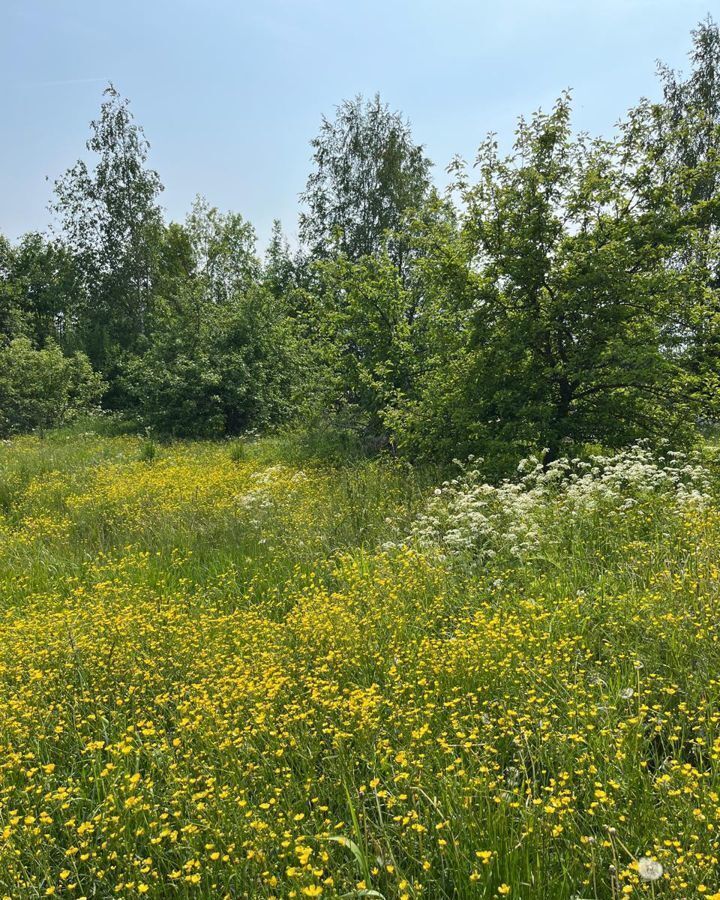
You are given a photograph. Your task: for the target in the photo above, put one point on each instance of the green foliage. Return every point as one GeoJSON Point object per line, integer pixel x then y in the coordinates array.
{"type": "Point", "coordinates": [223, 249]}
{"type": "Point", "coordinates": [573, 328]}
{"type": "Point", "coordinates": [367, 318]}
{"type": "Point", "coordinates": [38, 286]}
{"type": "Point", "coordinates": [368, 173]}
{"type": "Point", "coordinates": [686, 123]}
{"type": "Point", "coordinates": [111, 223]}
{"type": "Point", "coordinates": [220, 356]}
{"type": "Point", "coordinates": [148, 451]}
{"type": "Point", "coordinates": [679, 141]}
{"type": "Point", "coordinates": [238, 451]}
{"type": "Point", "coordinates": [12, 316]}
{"type": "Point", "coordinates": [279, 268]}
{"type": "Point", "coordinates": [214, 369]}
{"type": "Point", "coordinates": [566, 294]}
{"type": "Point", "coordinates": [43, 388]}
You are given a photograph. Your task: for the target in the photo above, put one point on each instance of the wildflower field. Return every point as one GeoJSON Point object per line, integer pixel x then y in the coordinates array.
{"type": "Point", "coordinates": [226, 672]}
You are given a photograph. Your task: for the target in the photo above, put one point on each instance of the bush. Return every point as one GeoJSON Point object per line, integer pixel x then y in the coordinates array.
{"type": "Point", "coordinates": [235, 368]}
{"type": "Point", "coordinates": [44, 388]}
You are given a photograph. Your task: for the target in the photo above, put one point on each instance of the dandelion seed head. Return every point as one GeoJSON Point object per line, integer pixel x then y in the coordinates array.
{"type": "Point", "coordinates": [649, 869]}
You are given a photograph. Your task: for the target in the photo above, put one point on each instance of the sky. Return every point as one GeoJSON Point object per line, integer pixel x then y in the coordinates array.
{"type": "Point", "coordinates": [230, 92]}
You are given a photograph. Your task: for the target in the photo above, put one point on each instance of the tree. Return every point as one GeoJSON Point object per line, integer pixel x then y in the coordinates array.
{"type": "Point", "coordinates": [176, 266]}
{"type": "Point", "coordinates": [45, 282]}
{"type": "Point", "coordinates": [374, 319]}
{"type": "Point", "coordinates": [367, 334]}
{"type": "Point", "coordinates": [223, 246]}
{"type": "Point", "coordinates": [11, 318]}
{"type": "Point", "coordinates": [676, 143]}
{"type": "Point", "coordinates": [111, 222]}
{"type": "Point", "coordinates": [279, 267]}
{"type": "Point", "coordinates": [570, 335]}
{"type": "Point", "coordinates": [688, 119]}
{"type": "Point", "coordinates": [368, 173]}
{"type": "Point", "coordinates": [222, 355]}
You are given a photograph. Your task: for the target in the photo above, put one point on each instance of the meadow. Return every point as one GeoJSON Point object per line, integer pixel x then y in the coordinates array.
{"type": "Point", "coordinates": [233, 670]}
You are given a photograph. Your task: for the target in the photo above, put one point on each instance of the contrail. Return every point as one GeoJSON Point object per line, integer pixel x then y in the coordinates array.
{"type": "Point", "coordinates": [64, 81]}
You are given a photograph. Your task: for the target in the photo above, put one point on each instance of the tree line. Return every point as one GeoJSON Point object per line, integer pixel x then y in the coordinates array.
{"type": "Point", "coordinates": [565, 292]}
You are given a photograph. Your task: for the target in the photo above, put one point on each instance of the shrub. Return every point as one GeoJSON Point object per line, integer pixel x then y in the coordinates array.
{"type": "Point", "coordinates": [44, 388]}
{"type": "Point", "coordinates": [234, 369]}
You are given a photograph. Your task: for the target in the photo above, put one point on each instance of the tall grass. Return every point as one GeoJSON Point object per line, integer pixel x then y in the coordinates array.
{"type": "Point", "coordinates": [258, 672]}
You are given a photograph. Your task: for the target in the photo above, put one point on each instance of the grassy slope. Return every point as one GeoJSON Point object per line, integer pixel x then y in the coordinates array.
{"type": "Point", "coordinates": [210, 671]}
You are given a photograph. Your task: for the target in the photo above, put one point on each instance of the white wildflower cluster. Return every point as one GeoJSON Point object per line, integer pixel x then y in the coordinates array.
{"type": "Point", "coordinates": [255, 501]}
{"type": "Point", "coordinates": [269, 485]}
{"type": "Point", "coordinates": [468, 516]}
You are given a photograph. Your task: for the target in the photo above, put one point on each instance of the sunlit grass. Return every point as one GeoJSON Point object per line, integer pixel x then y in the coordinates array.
{"type": "Point", "coordinates": [228, 672]}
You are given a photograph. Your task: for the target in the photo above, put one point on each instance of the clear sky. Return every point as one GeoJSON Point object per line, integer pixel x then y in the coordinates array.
{"type": "Point", "coordinates": [230, 92]}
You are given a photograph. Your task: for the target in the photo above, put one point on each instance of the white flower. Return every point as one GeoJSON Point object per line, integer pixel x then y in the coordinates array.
{"type": "Point", "coordinates": [626, 693]}
{"type": "Point", "coordinates": [649, 869]}
{"type": "Point", "coordinates": [516, 518]}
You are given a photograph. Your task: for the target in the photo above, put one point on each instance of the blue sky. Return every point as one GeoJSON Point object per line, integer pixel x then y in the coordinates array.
{"type": "Point", "coordinates": [230, 92]}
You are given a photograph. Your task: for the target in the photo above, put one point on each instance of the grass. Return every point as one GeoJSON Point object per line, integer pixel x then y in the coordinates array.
{"type": "Point", "coordinates": [225, 673]}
